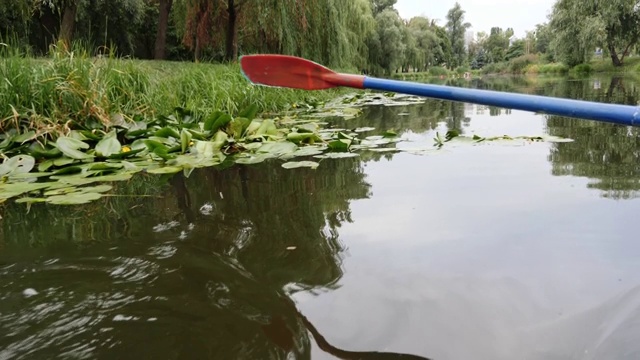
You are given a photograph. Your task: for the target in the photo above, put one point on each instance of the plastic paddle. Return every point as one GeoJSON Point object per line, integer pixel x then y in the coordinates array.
{"type": "Point", "coordinates": [294, 72]}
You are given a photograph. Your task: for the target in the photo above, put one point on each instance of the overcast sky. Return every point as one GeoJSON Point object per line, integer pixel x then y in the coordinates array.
{"type": "Point", "coordinates": [521, 15]}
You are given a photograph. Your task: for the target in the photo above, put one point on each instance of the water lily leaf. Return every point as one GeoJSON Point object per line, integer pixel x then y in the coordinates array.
{"type": "Point", "coordinates": [45, 165]}
{"type": "Point", "coordinates": [166, 132]}
{"type": "Point", "coordinates": [305, 151]}
{"type": "Point", "coordinates": [336, 155]}
{"type": "Point", "coordinates": [30, 200]}
{"type": "Point", "coordinates": [63, 161]}
{"type": "Point", "coordinates": [364, 129]}
{"type": "Point", "coordinates": [220, 139]}
{"type": "Point", "coordinates": [250, 112]}
{"type": "Point", "coordinates": [9, 190]}
{"type": "Point", "coordinates": [102, 166]}
{"type": "Point", "coordinates": [78, 135]}
{"type": "Point", "coordinates": [211, 120]}
{"type": "Point", "coordinates": [252, 145]}
{"type": "Point", "coordinates": [220, 122]}
{"type": "Point", "coordinates": [237, 127]}
{"type": "Point", "coordinates": [253, 159]}
{"type": "Point", "coordinates": [29, 135]}
{"type": "Point", "coordinates": [79, 179]}
{"type": "Point", "coordinates": [307, 127]}
{"type": "Point", "coordinates": [298, 164]}
{"type": "Point", "coordinates": [37, 150]}
{"type": "Point", "coordinates": [74, 198]}
{"type": "Point", "coordinates": [185, 140]}
{"type": "Point", "coordinates": [18, 164]}
{"type": "Point", "coordinates": [69, 146]}
{"type": "Point", "coordinates": [126, 153]}
{"type": "Point", "coordinates": [68, 170]}
{"type": "Point", "coordinates": [108, 145]}
{"type": "Point", "coordinates": [339, 145]}
{"type": "Point", "coordinates": [278, 148]}
{"type": "Point", "coordinates": [267, 127]}
{"type": "Point", "coordinates": [305, 137]}
{"type": "Point", "coordinates": [30, 175]}
{"type": "Point", "coordinates": [253, 126]}
{"type": "Point", "coordinates": [60, 191]}
{"type": "Point", "coordinates": [165, 170]}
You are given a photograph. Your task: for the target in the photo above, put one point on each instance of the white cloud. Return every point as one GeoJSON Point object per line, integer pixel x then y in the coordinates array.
{"type": "Point", "coordinates": [521, 15]}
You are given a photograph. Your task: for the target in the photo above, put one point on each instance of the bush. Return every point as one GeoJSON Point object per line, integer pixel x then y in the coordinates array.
{"type": "Point", "coordinates": [438, 70]}
{"type": "Point", "coordinates": [553, 68]}
{"type": "Point", "coordinates": [519, 64]}
{"type": "Point", "coordinates": [582, 69]}
{"type": "Point", "coordinates": [495, 68]}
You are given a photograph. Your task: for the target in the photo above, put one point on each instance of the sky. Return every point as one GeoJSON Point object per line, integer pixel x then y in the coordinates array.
{"type": "Point", "coordinates": [521, 15]}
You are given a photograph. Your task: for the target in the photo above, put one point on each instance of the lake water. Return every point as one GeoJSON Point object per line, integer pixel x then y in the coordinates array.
{"type": "Point", "coordinates": [493, 251]}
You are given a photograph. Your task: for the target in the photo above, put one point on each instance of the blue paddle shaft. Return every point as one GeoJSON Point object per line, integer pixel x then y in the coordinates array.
{"type": "Point", "coordinates": [612, 113]}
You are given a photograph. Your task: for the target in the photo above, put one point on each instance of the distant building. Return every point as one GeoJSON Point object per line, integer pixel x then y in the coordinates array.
{"type": "Point", "coordinates": [468, 38]}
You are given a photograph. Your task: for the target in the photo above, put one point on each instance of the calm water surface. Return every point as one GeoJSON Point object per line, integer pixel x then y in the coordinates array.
{"type": "Point", "coordinates": [476, 252]}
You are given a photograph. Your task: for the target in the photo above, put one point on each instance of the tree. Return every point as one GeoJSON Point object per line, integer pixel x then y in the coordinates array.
{"type": "Point", "coordinates": [581, 26]}
{"type": "Point", "coordinates": [456, 28]}
{"type": "Point", "coordinates": [164, 9]}
{"type": "Point", "coordinates": [386, 45]}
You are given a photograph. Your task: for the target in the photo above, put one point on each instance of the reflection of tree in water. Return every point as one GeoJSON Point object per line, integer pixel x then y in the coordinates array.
{"type": "Point", "coordinates": [258, 234]}
{"type": "Point", "coordinates": [609, 154]}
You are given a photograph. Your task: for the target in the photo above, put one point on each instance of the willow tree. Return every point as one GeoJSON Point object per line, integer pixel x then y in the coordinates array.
{"type": "Point", "coordinates": [15, 16]}
{"type": "Point", "coordinates": [579, 26]}
{"type": "Point", "coordinates": [429, 45]}
{"type": "Point", "coordinates": [386, 44]}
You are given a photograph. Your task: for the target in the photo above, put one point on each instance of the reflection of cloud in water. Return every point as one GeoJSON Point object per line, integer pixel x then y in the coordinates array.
{"type": "Point", "coordinates": [470, 318]}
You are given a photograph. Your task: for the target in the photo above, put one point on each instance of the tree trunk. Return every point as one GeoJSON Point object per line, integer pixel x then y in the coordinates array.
{"type": "Point", "coordinates": [68, 23]}
{"type": "Point", "coordinates": [614, 55]}
{"type": "Point", "coordinates": [231, 46]}
{"type": "Point", "coordinates": [163, 24]}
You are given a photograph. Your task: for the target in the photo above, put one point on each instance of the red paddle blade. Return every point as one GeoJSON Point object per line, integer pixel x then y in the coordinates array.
{"type": "Point", "coordinates": [294, 72]}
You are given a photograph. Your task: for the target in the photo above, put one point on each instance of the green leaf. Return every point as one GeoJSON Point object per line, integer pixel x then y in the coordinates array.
{"type": "Point", "coordinates": [237, 127]}
{"type": "Point", "coordinates": [108, 145]}
{"type": "Point", "coordinates": [211, 120]}
{"type": "Point", "coordinates": [39, 151]}
{"type": "Point", "coordinates": [339, 145]}
{"type": "Point", "coordinates": [29, 135]}
{"type": "Point", "coordinates": [165, 170]}
{"type": "Point", "coordinates": [75, 198]}
{"type": "Point", "coordinates": [166, 132]}
{"type": "Point", "coordinates": [185, 140]}
{"type": "Point", "coordinates": [278, 148]}
{"type": "Point", "coordinates": [18, 164]}
{"type": "Point", "coordinates": [250, 112]}
{"type": "Point", "coordinates": [69, 146]}
{"type": "Point", "coordinates": [298, 164]}
{"type": "Point", "coordinates": [220, 122]}
{"type": "Point", "coordinates": [336, 155]}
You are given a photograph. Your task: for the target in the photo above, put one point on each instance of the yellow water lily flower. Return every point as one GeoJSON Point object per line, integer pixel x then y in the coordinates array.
{"type": "Point", "coordinates": [126, 149]}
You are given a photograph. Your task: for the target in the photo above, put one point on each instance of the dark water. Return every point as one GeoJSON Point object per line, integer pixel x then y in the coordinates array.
{"type": "Point", "coordinates": [479, 252]}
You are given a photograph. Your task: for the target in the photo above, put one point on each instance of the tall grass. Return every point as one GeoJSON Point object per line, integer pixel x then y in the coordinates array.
{"type": "Point", "coordinates": [74, 88]}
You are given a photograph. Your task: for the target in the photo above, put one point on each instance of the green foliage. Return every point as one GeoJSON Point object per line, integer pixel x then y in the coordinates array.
{"type": "Point", "coordinates": [579, 27]}
{"type": "Point", "coordinates": [581, 69]}
{"type": "Point", "coordinates": [519, 65]}
{"type": "Point", "coordinates": [456, 28]}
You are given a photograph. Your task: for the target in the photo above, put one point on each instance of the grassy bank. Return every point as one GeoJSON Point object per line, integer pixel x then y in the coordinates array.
{"type": "Point", "coordinates": [74, 88]}
{"type": "Point", "coordinates": [529, 65]}
{"type": "Point", "coordinates": [532, 64]}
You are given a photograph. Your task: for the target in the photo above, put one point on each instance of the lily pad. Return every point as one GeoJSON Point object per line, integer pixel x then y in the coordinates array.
{"type": "Point", "coordinates": [337, 155]}
{"type": "Point", "coordinates": [299, 164]}
{"type": "Point", "coordinates": [70, 147]}
{"type": "Point", "coordinates": [109, 145]}
{"type": "Point", "coordinates": [18, 164]}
